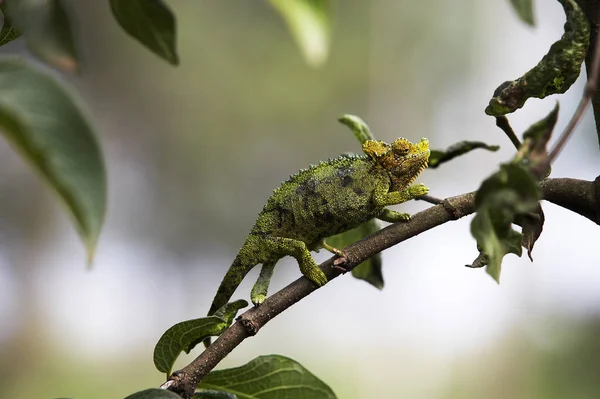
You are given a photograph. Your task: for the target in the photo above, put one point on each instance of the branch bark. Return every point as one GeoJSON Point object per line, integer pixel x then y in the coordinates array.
{"type": "Point", "coordinates": [580, 196]}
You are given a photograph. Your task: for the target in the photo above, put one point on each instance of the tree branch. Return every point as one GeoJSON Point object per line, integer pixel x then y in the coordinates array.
{"type": "Point", "coordinates": [579, 196]}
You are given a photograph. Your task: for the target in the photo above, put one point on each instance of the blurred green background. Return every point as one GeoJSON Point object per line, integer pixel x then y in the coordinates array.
{"type": "Point", "coordinates": [193, 152]}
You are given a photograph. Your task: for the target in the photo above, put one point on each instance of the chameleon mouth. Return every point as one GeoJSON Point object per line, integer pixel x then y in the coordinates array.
{"type": "Point", "coordinates": [425, 164]}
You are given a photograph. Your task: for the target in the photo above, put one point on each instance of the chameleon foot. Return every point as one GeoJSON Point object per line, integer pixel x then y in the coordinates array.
{"type": "Point", "coordinates": [316, 275]}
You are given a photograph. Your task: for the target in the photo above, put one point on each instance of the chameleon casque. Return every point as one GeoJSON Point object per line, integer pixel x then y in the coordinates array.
{"type": "Point", "coordinates": [327, 199]}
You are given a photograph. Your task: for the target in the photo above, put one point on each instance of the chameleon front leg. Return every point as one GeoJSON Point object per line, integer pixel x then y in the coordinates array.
{"type": "Point", "coordinates": [260, 288]}
{"type": "Point", "coordinates": [297, 249]}
{"type": "Point", "coordinates": [393, 217]}
{"type": "Point", "coordinates": [386, 198]}
{"type": "Point", "coordinates": [383, 198]}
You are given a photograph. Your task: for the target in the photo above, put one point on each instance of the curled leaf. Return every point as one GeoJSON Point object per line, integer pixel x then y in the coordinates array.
{"type": "Point", "coordinates": [184, 336]}
{"type": "Point", "coordinates": [438, 157]}
{"type": "Point", "coordinates": [268, 377]}
{"type": "Point", "coordinates": [535, 139]}
{"type": "Point", "coordinates": [532, 225]}
{"type": "Point", "coordinates": [358, 126]}
{"type": "Point", "coordinates": [555, 73]}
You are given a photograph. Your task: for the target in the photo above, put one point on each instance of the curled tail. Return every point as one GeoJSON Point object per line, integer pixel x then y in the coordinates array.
{"type": "Point", "coordinates": [231, 281]}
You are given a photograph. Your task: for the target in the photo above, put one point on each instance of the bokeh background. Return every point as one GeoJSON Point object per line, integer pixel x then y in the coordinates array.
{"type": "Point", "coordinates": [193, 153]}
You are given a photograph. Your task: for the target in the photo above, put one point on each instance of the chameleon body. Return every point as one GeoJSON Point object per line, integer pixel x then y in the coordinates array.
{"type": "Point", "coordinates": [327, 199]}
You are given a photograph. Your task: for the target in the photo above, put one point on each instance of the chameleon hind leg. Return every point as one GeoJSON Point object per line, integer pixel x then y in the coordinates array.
{"type": "Point", "coordinates": [289, 247]}
{"type": "Point", "coordinates": [260, 288]}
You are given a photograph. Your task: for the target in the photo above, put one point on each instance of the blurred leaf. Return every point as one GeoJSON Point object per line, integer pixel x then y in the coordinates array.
{"type": "Point", "coordinates": [151, 22]}
{"type": "Point", "coordinates": [524, 9]}
{"type": "Point", "coordinates": [535, 140]}
{"type": "Point", "coordinates": [268, 377]}
{"type": "Point", "coordinates": [9, 32]}
{"type": "Point", "coordinates": [532, 225]}
{"type": "Point", "coordinates": [438, 157]}
{"type": "Point", "coordinates": [211, 394]}
{"type": "Point", "coordinates": [510, 192]}
{"type": "Point", "coordinates": [309, 21]}
{"type": "Point", "coordinates": [358, 126]}
{"type": "Point", "coordinates": [493, 247]}
{"type": "Point", "coordinates": [154, 393]}
{"type": "Point", "coordinates": [369, 270]}
{"type": "Point", "coordinates": [47, 30]}
{"type": "Point", "coordinates": [555, 73]}
{"type": "Point", "coordinates": [41, 119]}
{"type": "Point", "coordinates": [186, 335]}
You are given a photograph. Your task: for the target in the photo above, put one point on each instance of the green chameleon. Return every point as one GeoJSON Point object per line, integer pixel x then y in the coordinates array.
{"type": "Point", "coordinates": [327, 199]}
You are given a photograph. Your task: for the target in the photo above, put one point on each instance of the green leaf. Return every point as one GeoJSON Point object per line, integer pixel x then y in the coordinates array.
{"type": "Point", "coordinates": [507, 194]}
{"type": "Point", "coordinates": [43, 121]}
{"type": "Point", "coordinates": [9, 32]}
{"type": "Point", "coordinates": [47, 30]}
{"type": "Point", "coordinates": [210, 394]}
{"type": "Point", "coordinates": [151, 22]}
{"type": "Point", "coordinates": [438, 157]}
{"type": "Point", "coordinates": [532, 225]}
{"type": "Point", "coordinates": [535, 140]}
{"type": "Point", "coordinates": [555, 73]}
{"type": "Point", "coordinates": [358, 126]}
{"type": "Point", "coordinates": [154, 393]}
{"type": "Point", "coordinates": [524, 9]}
{"type": "Point", "coordinates": [309, 21]}
{"type": "Point", "coordinates": [184, 336]}
{"type": "Point", "coordinates": [369, 270]}
{"type": "Point", "coordinates": [268, 377]}
{"type": "Point", "coordinates": [495, 247]}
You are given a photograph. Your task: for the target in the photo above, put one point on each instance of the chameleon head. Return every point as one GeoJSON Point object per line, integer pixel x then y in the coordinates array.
{"type": "Point", "coordinates": [402, 159]}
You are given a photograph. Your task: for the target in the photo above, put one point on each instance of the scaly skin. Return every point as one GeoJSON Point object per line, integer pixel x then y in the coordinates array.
{"type": "Point", "coordinates": [327, 199]}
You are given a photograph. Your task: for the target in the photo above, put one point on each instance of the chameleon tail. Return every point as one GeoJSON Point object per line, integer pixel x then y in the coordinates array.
{"type": "Point", "coordinates": [231, 281]}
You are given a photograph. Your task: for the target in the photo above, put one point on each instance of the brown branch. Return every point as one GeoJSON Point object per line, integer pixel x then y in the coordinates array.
{"type": "Point", "coordinates": [579, 196]}
{"type": "Point", "coordinates": [430, 199]}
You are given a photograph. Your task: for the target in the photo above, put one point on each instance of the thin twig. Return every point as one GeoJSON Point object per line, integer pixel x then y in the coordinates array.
{"type": "Point", "coordinates": [430, 199]}
{"type": "Point", "coordinates": [588, 93]}
{"type": "Point", "coordinates": [576, 195]}
{"type": "Point", "coordinates": [502, 123]}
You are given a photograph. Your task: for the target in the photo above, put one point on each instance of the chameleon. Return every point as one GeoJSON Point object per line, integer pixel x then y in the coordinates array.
{"type": "Point", "coordinates": [324, 200]}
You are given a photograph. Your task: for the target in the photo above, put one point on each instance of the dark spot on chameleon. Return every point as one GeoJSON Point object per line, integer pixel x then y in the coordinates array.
{"type": "Point", "coordinates": [344, 170]}
{"type": "Point", "coordinates": [346, 181]}
{"type": "Point", "coordinates": [328, 217]}
{"type": "Point", "coordinates": [358, 191]}
{"type": "Point", "coordinates": [324, 201]}
{"type": "Point", "coordinates": [306, 189]}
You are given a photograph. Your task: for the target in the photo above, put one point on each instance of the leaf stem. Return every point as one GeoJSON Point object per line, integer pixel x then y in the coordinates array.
{"type": "Point", "coordinates": [502, 123]}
